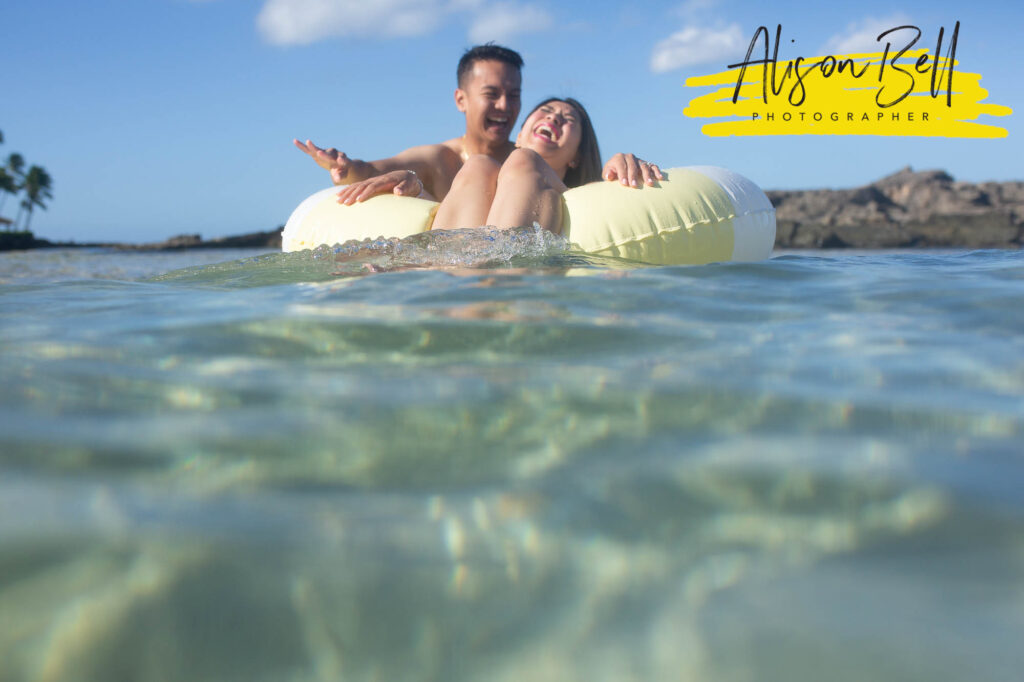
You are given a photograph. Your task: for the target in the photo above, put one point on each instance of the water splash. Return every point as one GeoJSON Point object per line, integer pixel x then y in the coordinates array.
{"type": "Point", "coordinates": [468, 248]}
{"type": "Point", "coordinates": [479, 247]}
{"type": "Point", "coordinates": [263, 270]}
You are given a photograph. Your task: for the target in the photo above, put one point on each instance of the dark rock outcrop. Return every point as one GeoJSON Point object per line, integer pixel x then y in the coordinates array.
{"type": "Point", "coordinates": [905, 209]}
{"type": "Point", "coordinates": [254, 240]}
{"type": "Point", "coordinates": [12, 241]}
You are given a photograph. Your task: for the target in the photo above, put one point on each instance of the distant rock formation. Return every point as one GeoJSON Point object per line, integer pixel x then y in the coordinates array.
{"type": "Point", "coordinates": [254, 240]}
{"type": "Point", "coordinates": [903, 210]}
{"type": "Point", "coordinates": [16, 241]}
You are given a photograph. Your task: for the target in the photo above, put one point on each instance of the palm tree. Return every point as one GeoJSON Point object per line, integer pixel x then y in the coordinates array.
{"type": "Point", "coordinates": [7, 186]}
{"type": "Point", "coordinates": [14, 180]}
{"type": "Point", "coordinates": [37, 185]}
{"type": "Point", "coordinates": [15, 164]}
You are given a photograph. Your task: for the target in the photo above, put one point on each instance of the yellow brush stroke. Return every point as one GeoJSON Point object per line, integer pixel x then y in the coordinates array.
{"type": "Point", "coordinates": [848, 99]}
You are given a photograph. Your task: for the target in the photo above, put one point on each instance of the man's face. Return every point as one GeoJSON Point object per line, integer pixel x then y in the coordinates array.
{"type": "Point", "coordinates": [490, 99]}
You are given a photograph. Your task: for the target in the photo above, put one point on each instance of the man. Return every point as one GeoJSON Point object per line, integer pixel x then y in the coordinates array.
{"type": "Point", "coordinates": [488, 93]}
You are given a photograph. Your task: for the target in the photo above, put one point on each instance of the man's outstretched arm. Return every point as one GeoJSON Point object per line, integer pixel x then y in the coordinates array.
{"type": "Point", "coordinates": [343, 170]}
{"type": "Point", "coordinates": [435, 165]}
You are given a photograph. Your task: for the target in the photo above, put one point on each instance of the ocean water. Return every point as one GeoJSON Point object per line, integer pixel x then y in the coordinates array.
{"type": "Point", "coordinates": [524, 464]}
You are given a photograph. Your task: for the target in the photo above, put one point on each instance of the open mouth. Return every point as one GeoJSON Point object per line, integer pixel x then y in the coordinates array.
{"type": "Point", "coordinates": [546, 131]}
{"type": "Point", "coordinates": [496, 122]}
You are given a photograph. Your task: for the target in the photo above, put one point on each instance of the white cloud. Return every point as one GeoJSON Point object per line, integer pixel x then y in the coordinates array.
{"type": "Point", "coordinates": [862, 36]}
{"type": "Point", "coordinates": [301, 22]}
{"type": "Point", "coordinates": [691, 9]}
{"type": "Point", "coordinates": [501, 21]}
{"type": "Point", "coordinates": [695, 45]}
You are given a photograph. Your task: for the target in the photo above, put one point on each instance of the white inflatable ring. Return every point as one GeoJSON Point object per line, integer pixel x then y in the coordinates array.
{"type": "Point", "coordinates": [698, 214]}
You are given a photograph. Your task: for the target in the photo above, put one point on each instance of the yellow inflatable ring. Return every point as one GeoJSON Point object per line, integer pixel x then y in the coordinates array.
{"type": "Point", "coordinates": [698, 214]}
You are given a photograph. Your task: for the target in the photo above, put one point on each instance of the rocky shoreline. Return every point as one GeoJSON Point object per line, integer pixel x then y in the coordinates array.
{"type": "Point", "coordinates": [908, 209]}
{"type": "Point", "coordinates": [254, 240]}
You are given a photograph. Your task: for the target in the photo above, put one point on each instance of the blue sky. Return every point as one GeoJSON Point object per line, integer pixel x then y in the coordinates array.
{"type": "Point", "coordinates": [160, 117]}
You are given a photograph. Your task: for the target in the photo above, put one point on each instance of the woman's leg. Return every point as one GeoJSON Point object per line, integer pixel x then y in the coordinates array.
{"type": "Point", "coordinates": [469, 199]}
{"type": "Point", "coordinates": [528, 191]}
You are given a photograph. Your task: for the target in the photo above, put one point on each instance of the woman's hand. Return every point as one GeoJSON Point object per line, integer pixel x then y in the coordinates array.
{"type": "Point", "coordinates": [402, 182]}
{"type": "Point", "coordinates": [629, 170]}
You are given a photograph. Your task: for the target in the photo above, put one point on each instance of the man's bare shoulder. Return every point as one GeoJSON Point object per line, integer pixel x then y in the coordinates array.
{"type": "Point", "coordinates": [442, 152]}
{"type": "Point", "coordinates": [436, 164]}
{"type": "Point", "coordinates": [454, 145]}
{"type": "Point", "coordinates": [455, 148]}
{"type": "Point", "coordinates": [441, 160]}
{"type": "Point", "coordinates": [425, 159]}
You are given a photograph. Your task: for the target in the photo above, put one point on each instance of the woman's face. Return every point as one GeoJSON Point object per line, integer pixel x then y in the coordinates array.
{"type": "Point", "coordinates": [554, 131]}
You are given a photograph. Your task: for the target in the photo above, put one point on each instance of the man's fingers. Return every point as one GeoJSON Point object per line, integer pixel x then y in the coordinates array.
{"type": "Point", "coordinates": [367, 190]}
{"type": "Point", "coordinates": [348, 195]}
{"type": "Point", "coordinates": [344, 193]}
{"type": "Point", "coordinates": [308, 147]}
{"type": "Point", "coordinates": [361, 191]}
{"type": "Point", "coordinates": [409, 187]}
{"type": "Point", "coordinates": [404, 183]}
{"type": "Point", "coordinates": [379, 185]}
{"type": "Point", "coordinates": [328, 155]}
{"type": "Point", "coordinates": [333, 157]}
{"type": "Point", "coordinates": [408, 183]}
{"type": "Point", "coordinates": [351, 194]}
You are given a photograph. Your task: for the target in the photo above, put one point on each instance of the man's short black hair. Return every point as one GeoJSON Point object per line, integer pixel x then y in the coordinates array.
{"type": "Point", "coordinates": [486, 52]}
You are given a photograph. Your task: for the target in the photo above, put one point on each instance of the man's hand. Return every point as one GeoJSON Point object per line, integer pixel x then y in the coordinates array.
{"type": "Point", "coordinates": [337, 163]}
{"type": "Point", "coordinates": [402, 182]}
{"type": "Point", "coordinates": [629, 170]}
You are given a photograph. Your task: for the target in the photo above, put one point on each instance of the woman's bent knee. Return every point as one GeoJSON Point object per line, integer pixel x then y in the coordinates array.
{"type": "Point", "coordinates": [479, 164]}
{"type": "Point", "coordinates": [479, 170]}
{"type": "Point", "coordinates": [522, 161]}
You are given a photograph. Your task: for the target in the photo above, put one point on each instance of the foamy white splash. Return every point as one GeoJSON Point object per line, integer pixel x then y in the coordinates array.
{"type": "Point", "coordinates": [448, 248]}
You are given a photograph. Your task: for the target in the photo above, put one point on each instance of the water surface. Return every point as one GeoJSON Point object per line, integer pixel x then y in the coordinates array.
{"type": "Point", "coordinates": [528, 464]}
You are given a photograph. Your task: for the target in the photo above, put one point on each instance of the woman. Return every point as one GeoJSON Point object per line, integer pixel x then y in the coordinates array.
{"type": "Point", "coordinates": [556, 149]}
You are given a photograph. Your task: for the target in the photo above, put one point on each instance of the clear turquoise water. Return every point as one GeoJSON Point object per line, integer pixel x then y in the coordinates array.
{"type": "Point", "coordinates": [552, 468]}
